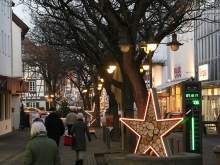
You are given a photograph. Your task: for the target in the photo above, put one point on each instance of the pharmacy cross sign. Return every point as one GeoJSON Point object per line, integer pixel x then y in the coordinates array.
{"type": "Point", "coordinates": [152, 130]}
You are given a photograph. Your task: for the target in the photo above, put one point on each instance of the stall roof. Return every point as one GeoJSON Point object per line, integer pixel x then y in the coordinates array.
{"type": "Point", "coordinates": [168, 84]}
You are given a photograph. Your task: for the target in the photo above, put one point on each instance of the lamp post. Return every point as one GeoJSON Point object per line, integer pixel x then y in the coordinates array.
{"type": "Point", "coordinates": [149, 48]}
{"type": "Point", "coordinates": [49, 99]}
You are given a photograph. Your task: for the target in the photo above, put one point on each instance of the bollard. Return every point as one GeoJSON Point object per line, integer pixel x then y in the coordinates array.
{"type": "Point", "coordinates": [104, 133]}
{"type": "Point", "coordinates": [216, 150]}
{"type": "Point", "coordinates": [108, 137]}
{"type": "Point", "coordinates": [171, 145]}
{"type": "Point", "coordinates": [177, 146]}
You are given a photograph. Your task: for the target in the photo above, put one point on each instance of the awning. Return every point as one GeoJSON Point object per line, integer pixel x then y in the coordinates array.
{"type": "Point", "coordinates": [168, 84]}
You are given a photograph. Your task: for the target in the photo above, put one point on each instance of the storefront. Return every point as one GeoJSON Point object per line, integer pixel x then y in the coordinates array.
{"type": "Point", "coordinates": [170, 97]}
{"type": "Point", "coordinates": [10, 89]}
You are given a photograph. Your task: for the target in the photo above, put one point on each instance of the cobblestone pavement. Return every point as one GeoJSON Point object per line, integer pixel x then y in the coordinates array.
{"type": "Point", "coordinates": [12, 147]}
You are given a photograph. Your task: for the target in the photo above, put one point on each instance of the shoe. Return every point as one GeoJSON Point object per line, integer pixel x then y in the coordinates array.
{"type": "Point", "coordinates": [80, 161]}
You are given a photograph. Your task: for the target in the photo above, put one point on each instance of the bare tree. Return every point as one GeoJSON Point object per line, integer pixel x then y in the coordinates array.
{"type": "Point", "coordinates": [43, 60]}
{"type": "Point", "coordinates": [93, 27]}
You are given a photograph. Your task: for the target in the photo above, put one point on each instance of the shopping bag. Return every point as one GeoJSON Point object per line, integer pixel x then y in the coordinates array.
{"type": "Point", "coordinates": [67, 140]}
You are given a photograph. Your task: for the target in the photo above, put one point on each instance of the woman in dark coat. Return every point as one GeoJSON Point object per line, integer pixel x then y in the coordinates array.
{"type": "Point", "coordinates": [54, 125]}
{"type": "Point", "coordinates": [79, 129]}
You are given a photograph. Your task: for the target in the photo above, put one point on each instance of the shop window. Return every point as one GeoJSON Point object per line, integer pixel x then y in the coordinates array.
{"type": "Point", "coordinates": [175, 99]}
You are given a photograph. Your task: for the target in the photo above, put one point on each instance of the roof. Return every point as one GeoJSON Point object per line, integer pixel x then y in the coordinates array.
{"type": "Point", "coordinates": [21, 24]}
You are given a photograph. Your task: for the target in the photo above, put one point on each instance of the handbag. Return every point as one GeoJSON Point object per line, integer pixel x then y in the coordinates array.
{"type": "Point", "coordinates": [67, 140]}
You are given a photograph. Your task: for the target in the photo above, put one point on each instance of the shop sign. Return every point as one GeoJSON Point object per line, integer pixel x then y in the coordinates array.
{"type": "Point", "coordinates": [177, 71]}
{"type": "Point", "coordinates": [192, 111]}
{"type": "Point", "coordinates": [3, 83]}
{"type": "Point", "coordinates": [204, 72]}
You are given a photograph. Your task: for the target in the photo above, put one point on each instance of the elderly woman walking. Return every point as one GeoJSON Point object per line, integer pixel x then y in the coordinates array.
{"type": "Point", "coordinates": [79, 129]}
{"type": "Point", "coordinates": [41, 149]}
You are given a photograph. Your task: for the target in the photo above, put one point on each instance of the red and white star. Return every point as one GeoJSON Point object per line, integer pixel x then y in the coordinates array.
{"type": "Point", "coordinates": [152, 130]}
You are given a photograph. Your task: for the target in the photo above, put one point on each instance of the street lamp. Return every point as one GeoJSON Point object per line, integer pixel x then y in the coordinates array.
{"type": "Point", "coordinates": [49, 98]}
{"type": "Point", "coordinates": [145, 65]}
{"type": "Point", "coordinates": [112, 67]}
{"type": "Point", "coordinates": [124, 46]}
{"type": "Point", "coordinates": [174, 44]}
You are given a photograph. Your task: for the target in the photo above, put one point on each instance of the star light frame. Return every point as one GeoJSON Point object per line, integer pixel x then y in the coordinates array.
{"type": "Point", "coordinates": [90, 113]}
{"type": "Point", "coordinates": [140, 123]}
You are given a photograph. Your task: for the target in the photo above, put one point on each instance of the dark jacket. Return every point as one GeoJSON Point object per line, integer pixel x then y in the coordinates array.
{"type": "Point", "coordinates": [54, 126]}
{"type": "Point", "coordinates": [79, 129]}
{"type": "Point", "coordinates": [41, 150]}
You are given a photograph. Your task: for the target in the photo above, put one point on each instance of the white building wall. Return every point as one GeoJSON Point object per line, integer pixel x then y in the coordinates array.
{"type": "Point", "coordinates": [5, 39]}
{"type": "Point", "coordinates": [184, 58]}
{"type": "Point", "coordinates": [16, 48]}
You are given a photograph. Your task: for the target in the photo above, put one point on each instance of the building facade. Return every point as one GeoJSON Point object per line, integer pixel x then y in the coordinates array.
{"type": "Point", "coordinates": [12, 30]}
{"type": "Point", "coordinates": [207, 66]}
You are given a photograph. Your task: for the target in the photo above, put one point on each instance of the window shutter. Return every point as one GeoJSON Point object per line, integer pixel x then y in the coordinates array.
{"type": "Point", "coordinates": [37, 104]}
{"type": "Point", "coordinates": [28, 104]}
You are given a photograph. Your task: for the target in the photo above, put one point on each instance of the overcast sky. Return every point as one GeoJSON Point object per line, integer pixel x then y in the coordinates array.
{"type": "Point", "coordinates": [20, 11]}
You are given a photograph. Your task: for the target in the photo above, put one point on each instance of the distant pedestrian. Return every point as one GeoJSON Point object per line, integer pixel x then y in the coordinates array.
{"type": "Point", "coordinates": [41, 149]}
{"type": "Point", "coordinates": [218, 126]}
{"type": "Point", "coordinates": [79, 130]}
{"type": "Point", "coordinates": [54, 126]}
{"type": "Point", "coordinates": [70, 119]}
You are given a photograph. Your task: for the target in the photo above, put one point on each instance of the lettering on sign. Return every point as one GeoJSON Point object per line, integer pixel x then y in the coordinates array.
{"type": "Point", "coordinates": [203, 72]}
{"type": "Point", "coordinates": [177, 71]}
{"type": "Point", "coordinates": [3, 83]}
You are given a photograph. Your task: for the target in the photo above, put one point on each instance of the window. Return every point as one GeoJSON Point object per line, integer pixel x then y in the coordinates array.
{"type": "Point", "coordinates": [2, 42]}
{"type": "Point", "coordinates": [33, 104]}
{"type": "Point", "coordinates": [32, 86]}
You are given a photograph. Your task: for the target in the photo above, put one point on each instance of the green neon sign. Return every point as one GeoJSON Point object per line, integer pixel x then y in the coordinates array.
{"type": "Point", "coordinates": [192, 95]}
{"type": "Point", "coordinates": [193, 133]}
{"type": "Point", "coordinates": [195, 102]}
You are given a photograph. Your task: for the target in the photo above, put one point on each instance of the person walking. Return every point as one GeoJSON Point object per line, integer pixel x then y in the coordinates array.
{"type": "Point", "coordinates": [54, 126]}
{"type": "Point", "coordinates": [70, 119]}
{"type": "Point", "coordinates": [41, 149]}
{"type": "Point", "coordinates": [79, 129]}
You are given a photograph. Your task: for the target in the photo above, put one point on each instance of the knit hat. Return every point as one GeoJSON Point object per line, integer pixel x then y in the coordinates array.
{"type": "Point", "coordinates": [79, 116]}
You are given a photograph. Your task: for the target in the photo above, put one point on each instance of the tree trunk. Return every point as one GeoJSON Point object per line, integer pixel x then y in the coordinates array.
{"type": "Point", "coordinates": [114, 109]}
{"type": "Point", "coordinates": [137, 83]}
{"type": "Point", "coordinates": [97, 108]}
{"type": "Point", "coordinates": [128, 103]}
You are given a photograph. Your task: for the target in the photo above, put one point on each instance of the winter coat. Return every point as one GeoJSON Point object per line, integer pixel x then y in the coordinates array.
{"type": "Point", "coordinates": [79, 129]}
{"type": "Point", "coordinates": [70, 118]}
{"type": "Point", "coordinates": [41, 150]}
{"type": "Point", "coordinates": [54, 126]}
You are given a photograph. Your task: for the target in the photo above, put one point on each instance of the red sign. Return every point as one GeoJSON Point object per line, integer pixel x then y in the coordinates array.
{"type": "Point", "coordinates": [3, 83]}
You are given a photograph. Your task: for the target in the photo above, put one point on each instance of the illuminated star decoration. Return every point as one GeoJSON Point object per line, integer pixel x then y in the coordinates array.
{"type": "Point", "coordinates": [92, 113]}
{"type": "Point", "coordinates": [151, 130]}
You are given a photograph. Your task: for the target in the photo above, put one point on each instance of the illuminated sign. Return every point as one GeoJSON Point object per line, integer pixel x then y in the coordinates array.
{"type": "Point", "coordinates": [191, 102]}
{"type": "Point", "coordinates": [204, 72]}
{"type": "Point", "coordinates": [152, 129]}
